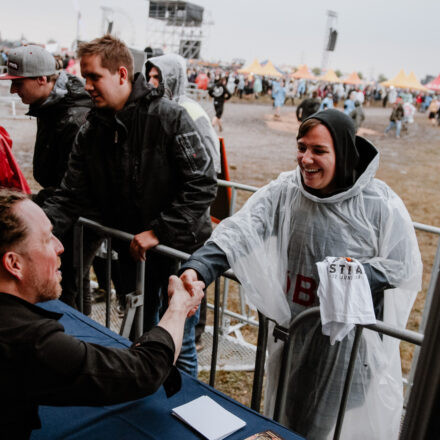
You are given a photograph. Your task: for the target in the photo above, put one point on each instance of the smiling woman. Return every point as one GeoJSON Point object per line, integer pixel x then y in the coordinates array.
{"type": "Point", "coordinates": [331, 205]}
{"type": "Point", "coordinates": [316, 156]}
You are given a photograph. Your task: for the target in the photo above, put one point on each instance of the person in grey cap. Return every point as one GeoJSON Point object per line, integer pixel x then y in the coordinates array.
{"type": "Point", "coordinates": [60, 104]}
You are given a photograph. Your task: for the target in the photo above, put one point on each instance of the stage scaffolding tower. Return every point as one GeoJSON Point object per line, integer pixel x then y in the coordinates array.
{"type": "Point", "coordinates": [329, 39]}
{"type": "Point", "coordinates": [177, 27]}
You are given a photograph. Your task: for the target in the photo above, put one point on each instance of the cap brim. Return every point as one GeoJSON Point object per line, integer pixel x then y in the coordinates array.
{"type": "Point", "coordinates": [6, 76]}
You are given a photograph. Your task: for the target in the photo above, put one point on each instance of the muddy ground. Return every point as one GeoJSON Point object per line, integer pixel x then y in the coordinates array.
{"type": "Point", "coordinates": [259, 148]}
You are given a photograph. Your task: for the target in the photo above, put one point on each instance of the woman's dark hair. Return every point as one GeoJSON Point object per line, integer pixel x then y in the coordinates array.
{"type": "Point", "coordinates": [307, 125]}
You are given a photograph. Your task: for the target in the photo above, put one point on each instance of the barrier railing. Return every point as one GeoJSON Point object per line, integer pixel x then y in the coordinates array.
{"type": "Point", "coordinates": [135, 310]}
{"type": "Point", "coordinates": [135, 300]}
{"type": "Point", "coordinates": [287, 359]}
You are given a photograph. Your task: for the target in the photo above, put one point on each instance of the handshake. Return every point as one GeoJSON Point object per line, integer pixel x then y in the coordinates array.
{"type": "Point", "coordinates": [184, 297]}
{"type": "Point", "coordinates": [186, 292]}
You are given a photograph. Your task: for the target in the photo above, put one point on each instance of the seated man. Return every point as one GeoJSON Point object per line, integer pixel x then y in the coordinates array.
{"type": "Point", "coordinates": [40, 364]}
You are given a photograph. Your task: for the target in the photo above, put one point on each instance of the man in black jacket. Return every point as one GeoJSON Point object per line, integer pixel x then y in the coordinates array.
{"type": "Point", "coordinates": [39, 363]}
{"type": "Point", "coordinates": [138, 165]}
{"type": "Point", "coordinates": [60, 104]}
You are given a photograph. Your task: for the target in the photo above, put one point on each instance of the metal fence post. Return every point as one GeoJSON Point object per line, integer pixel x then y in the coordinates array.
{"type": "Point", "coordinates": [348, 380]}
{"type": "Point", "coordinates": [427, 307]}
{"type": "Point", "coordinates": [140, 290]}
{"type": "Point", "coordinates": [215, 335]}
{"type": "Point", "coordinates": [108, 282]}
{"type": "Point", "coordinates": [260, 358]}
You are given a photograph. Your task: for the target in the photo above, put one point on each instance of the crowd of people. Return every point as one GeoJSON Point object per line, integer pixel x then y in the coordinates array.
{"type": "Point", "coordinates": [130, 151]}
{"type": "Point", "coordinates": [319, 95]}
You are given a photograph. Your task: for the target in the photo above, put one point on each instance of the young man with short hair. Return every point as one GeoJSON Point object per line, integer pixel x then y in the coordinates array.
{"type": "Point", "coordinates": [138, 165]}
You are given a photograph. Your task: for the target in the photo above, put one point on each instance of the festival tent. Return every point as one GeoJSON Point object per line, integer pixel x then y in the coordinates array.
{"type": "Point", "coordinates": [254, 68]}
{"type": "Point", "coordinates": [414, 83]}
{"type": "Point", "coordinates": [353, 79]}
{"type": "Point", "coordinates": [303, 73]}
{"type": "Point", "coordinates": [330, 76]}
{"type": "Point", "coordinates": [270, 70]}
{"type": "Point", "coordinates": [434, 84]}
{"type": "Point", "coordinates": [402, 81]}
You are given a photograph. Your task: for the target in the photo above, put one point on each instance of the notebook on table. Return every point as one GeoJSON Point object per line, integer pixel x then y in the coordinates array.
{"type": "Point", "coordinates": [208, 418]}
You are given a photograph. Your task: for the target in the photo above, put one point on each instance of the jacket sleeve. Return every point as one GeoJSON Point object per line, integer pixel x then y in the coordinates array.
{"type": "Point", "coordinates": [209, 262]}
{"type": "Point", "coordinates": [79, 373]}
{"type": "Point", "coordinates": [72, 199]}
{"type": "Point", "coordinates": [54, 143]}
{"type": "Point", "coordinates": [196, 179]}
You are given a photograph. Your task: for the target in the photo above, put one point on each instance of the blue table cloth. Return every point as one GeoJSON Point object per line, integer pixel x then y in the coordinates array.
{"type": "Point", "coordinates": [147, 418]}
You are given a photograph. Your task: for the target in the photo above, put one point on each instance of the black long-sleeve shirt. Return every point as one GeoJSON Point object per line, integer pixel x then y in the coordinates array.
{"type": "Point", "coordinates": [42, 365]}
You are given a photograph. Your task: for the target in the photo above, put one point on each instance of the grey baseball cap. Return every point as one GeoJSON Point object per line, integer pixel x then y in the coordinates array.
{"type": "Point", "coordinates": [29, 61]}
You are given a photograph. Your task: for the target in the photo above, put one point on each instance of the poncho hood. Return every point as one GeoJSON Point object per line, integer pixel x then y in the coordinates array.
{"type": "Point", "coordinates": [368, 163]}
{"type": "Point", "coordinates": [350, 160]}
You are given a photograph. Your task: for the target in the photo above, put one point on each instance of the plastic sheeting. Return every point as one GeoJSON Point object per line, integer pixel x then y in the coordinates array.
{"type": "Point", "coordinates": [273, 244]}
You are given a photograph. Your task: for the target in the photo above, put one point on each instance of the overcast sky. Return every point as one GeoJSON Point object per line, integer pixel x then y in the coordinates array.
{"type": "Point", "coordinates": [375, 36]}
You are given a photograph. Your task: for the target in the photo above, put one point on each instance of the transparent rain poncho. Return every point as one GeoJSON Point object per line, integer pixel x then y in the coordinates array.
{"type": "Point", "coordinates": [273, 244]}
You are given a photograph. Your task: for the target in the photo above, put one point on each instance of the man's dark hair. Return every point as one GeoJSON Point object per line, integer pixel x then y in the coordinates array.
{"type": "Point", "coordinates": [12, 228]}
{"type": "Point", "coordinates": [113, 52]}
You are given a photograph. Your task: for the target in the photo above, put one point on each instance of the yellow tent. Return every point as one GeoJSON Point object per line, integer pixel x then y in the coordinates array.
{"type": "Point", "coordinates": [330, 76]}
{"type": "Point", "coordinates": [254, 68]}
{"type": "Point", "coordinates": [269, 70]}
{"type": "Point", "coordinates": [353, 78]}
{"type": "Point", "coordinates": [400, 81]}
{"type": "Point", "coordinates": [303, 73]}
{"type": "Point", "coordinates": [415, 83]}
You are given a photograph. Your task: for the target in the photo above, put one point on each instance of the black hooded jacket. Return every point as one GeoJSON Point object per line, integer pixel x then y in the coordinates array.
{"type": "Point", "coordinates": [143, 167]}
{"type": "Point", "coordinates": [58, 120]}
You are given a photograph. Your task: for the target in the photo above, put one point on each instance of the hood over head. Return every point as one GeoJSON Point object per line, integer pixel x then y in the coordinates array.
{"type": "Point", "coordinates": [172, 70]}
{"type": "Point", "coordinates": [348, 159]}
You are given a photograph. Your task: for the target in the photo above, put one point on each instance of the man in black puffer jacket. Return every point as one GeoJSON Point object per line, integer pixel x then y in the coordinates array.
{"type": "Point", "coordinates": [139, 165]}
{"type": "Point", "coordinates": [60, 104]}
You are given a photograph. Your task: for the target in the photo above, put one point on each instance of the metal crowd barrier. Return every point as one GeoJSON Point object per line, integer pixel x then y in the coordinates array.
{"type": "Point", "coordinates": [134, 303]}
{"type": "Point", "coordinates": [135, 300]}
{"type": "Point", "coordinates": [287, 358]}
{"type": "Point", "coordinates": [13, 100]}
{"type": "Point", "coordinates": [197, 94]}
{"type": "Point", "coordinates": [135, 310]}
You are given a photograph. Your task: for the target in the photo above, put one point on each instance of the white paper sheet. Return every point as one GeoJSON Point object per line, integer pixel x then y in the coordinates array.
{"type": "Point", "coordinates": [209, 418]}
